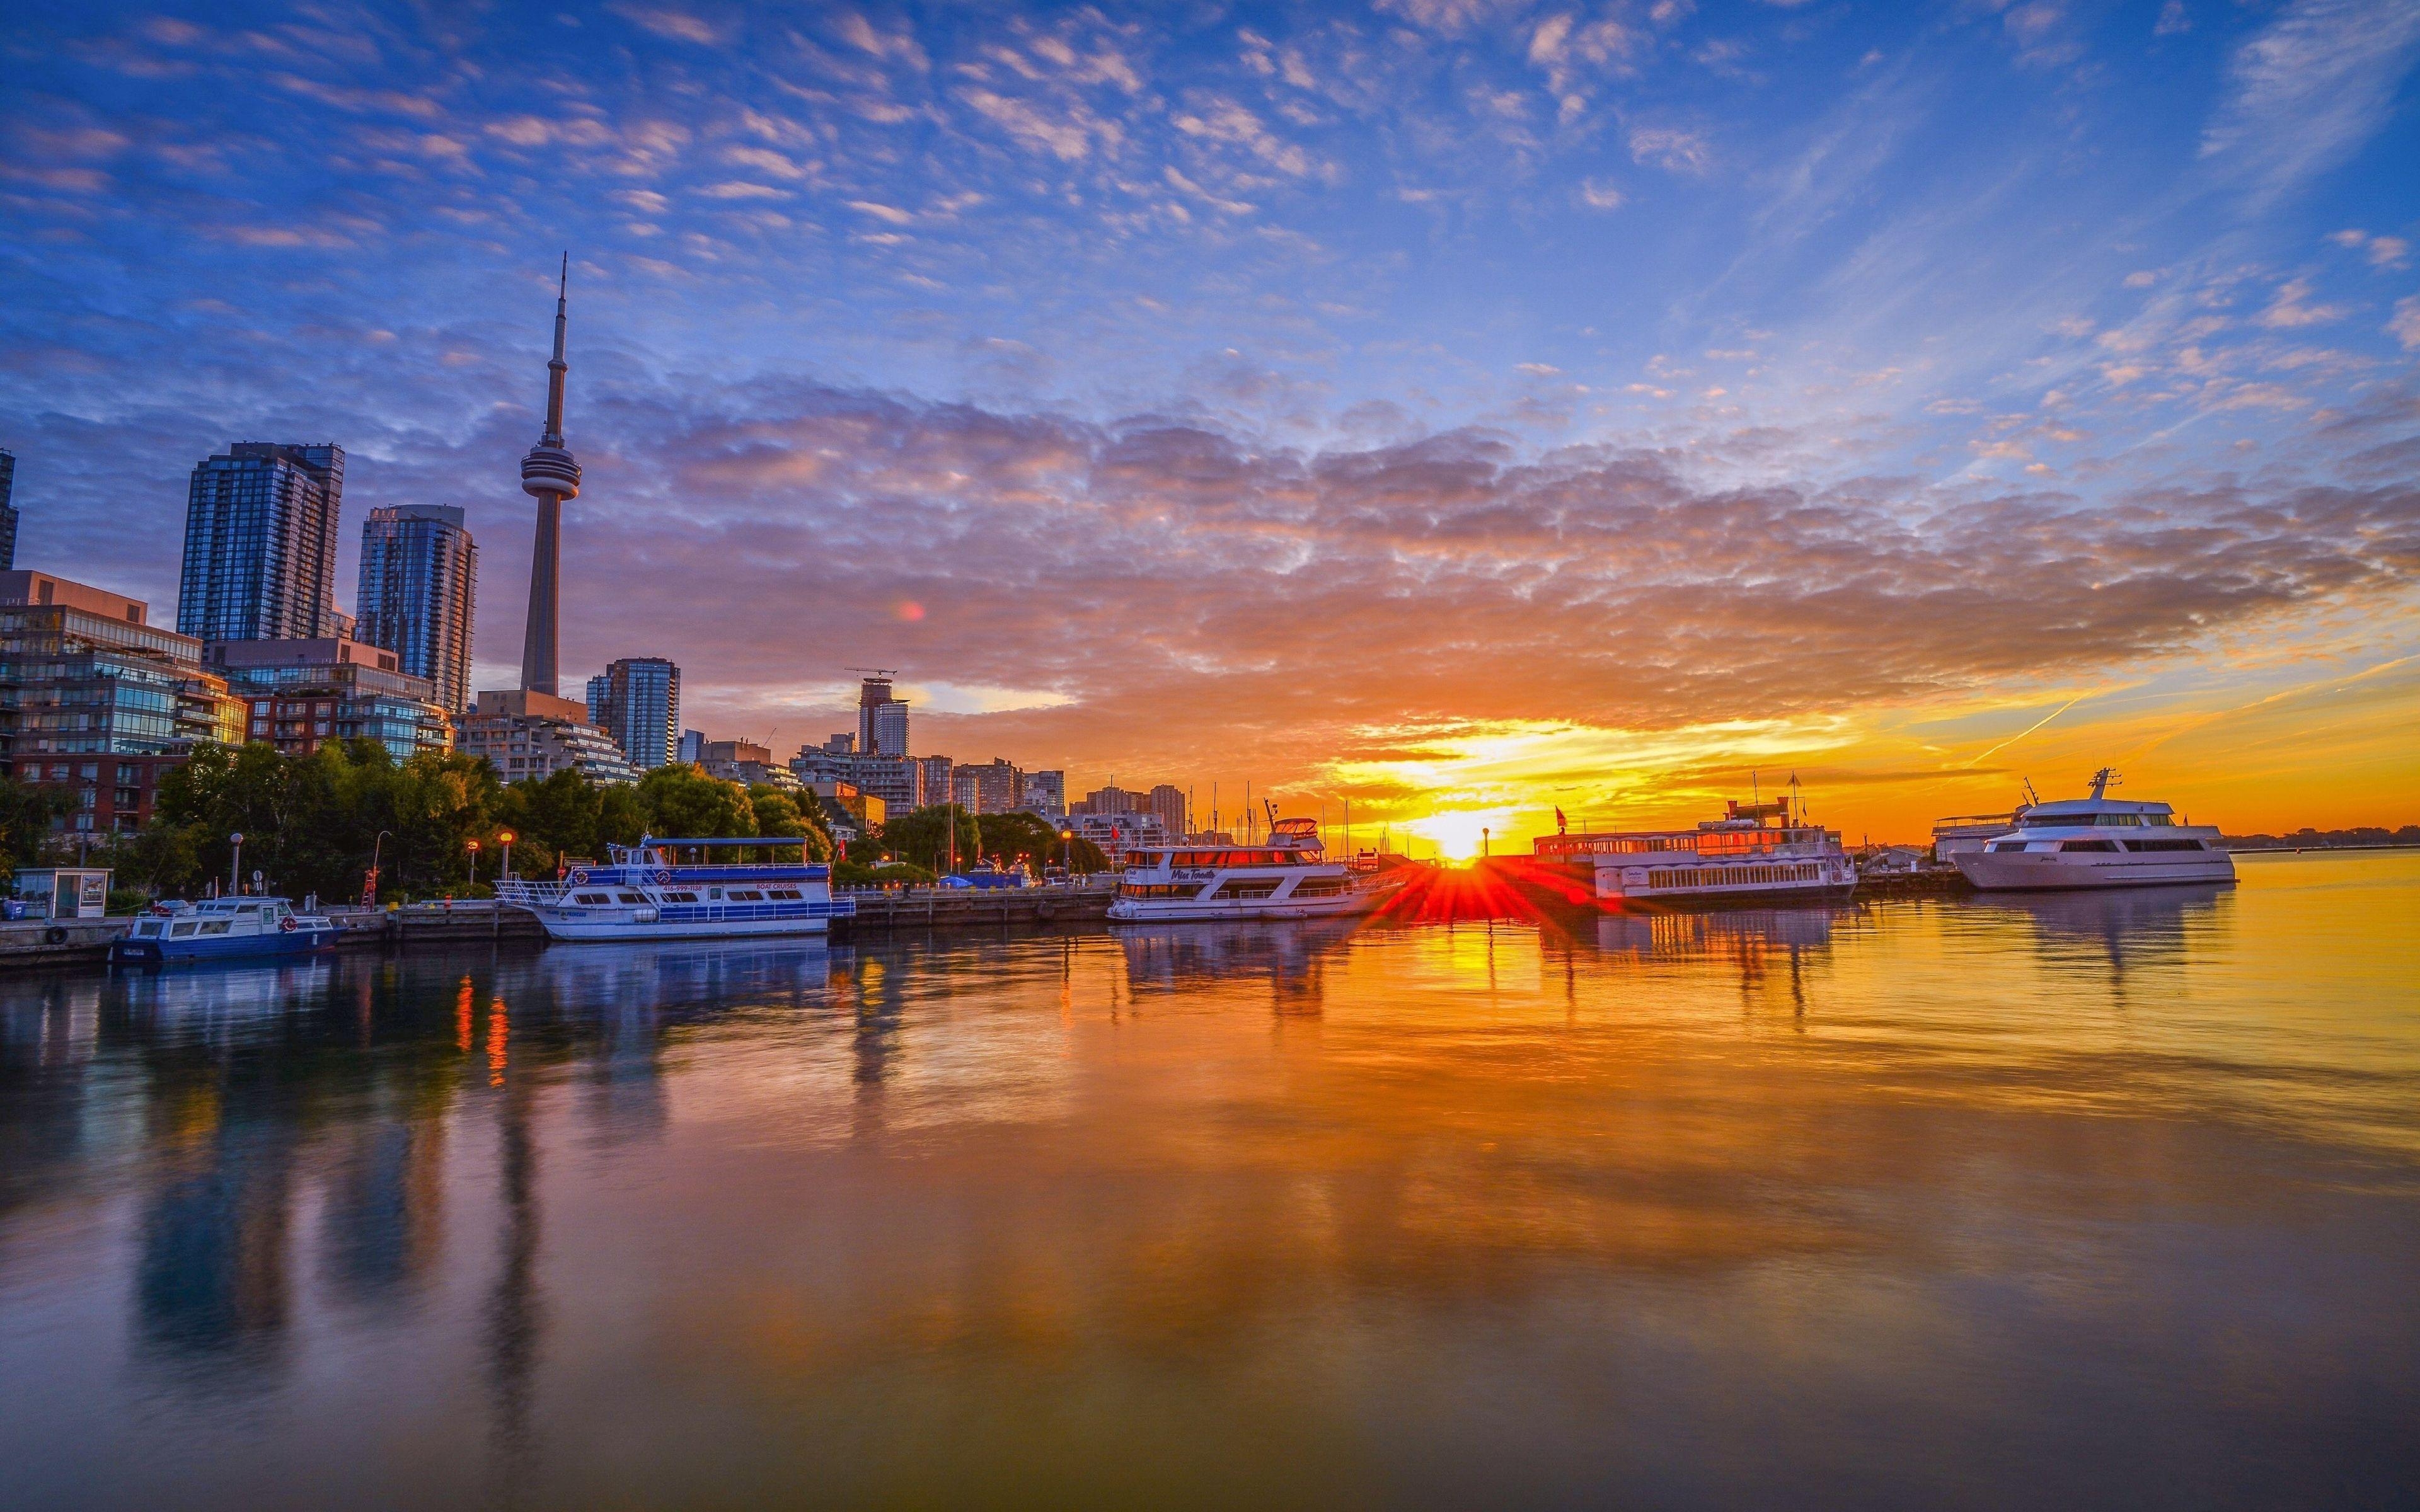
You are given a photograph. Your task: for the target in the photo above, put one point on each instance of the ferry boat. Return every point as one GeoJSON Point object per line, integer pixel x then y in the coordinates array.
{"type": "Point", "coordinates": [222, 929]}
{"type": "Point", "coordinates": [1289, 876]}
{"type": "Point", "coordinates": [1756, 853]}
{"type": "Point", "coordinates": [2098, 841]}
{"type": "Point", "coordinates": [645, 893]}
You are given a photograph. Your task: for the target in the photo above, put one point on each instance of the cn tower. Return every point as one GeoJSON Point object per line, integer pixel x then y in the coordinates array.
{"type": "Point", "coordinates": [550, 476]}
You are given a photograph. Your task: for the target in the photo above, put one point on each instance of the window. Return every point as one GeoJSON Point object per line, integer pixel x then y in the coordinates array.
{"type": "Point", "coordinates": [217, 925]}
{"type": "Point", "coordinates": [746, 895]}
{"type": "Point", "coordinates": [2164, 845]}
{"type": "Point", "coordinates": [180, 931]}
{"type": "Point", "coordinates": [593, 898]}
{"type": "Point", "coordinates": [680, 897]}
{"type": "Point", "coordinates": [629, 897]}
{"type": "Point", "coordinates": [2087, 846]}
{"type": "Point", "coordinates": [784, 895]}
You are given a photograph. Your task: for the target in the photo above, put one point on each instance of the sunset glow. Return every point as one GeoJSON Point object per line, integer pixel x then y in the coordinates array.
{"type": "Point", "coordinates": [1446, 409]}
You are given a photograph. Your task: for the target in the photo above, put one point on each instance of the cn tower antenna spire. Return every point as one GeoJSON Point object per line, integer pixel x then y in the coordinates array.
{"type": "Point", "coordinates": [550, 475]}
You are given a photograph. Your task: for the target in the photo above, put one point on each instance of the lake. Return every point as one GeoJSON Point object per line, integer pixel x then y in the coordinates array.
{"type": "Point", "coordinates": [2069, 1201]}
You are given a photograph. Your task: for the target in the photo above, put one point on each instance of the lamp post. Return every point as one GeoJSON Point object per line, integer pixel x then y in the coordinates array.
{"type": "Point", "coordinates": [1483, 852]}
{"type": "Point", "coordinates": [369, 884]}
{"type": "Point", "coordinates": [1067, 854]}
{"type": "Point", "coordinates": [507, 837]}
{"type": "Point", "coordinates": [235, 870]}
{"type": "Point", "coordinates": [472, 846]}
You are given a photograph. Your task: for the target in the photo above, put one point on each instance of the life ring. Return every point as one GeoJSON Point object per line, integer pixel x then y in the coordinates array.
{"type": "Point", "coordinates": [663, 877]}
{"type": "Point", "coordinates": [55, 936]}
{"type": "Point", "coordinates": [578, 878]}
{"type": "Point", "coordinates": [288, 924]}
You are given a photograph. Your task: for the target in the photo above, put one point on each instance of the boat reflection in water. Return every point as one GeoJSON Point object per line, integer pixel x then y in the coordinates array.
{"type": "Point", "coordinates": [1179, 956]}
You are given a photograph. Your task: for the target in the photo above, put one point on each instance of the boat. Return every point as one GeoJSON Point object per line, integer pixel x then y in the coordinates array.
{"type": "Point", "coordinates": [222, 929]}
{"type": "Point", "coordinates": [1288, 876]}
{"type": "Point", "coordinates": [645, 892]}
{"type": "Point", "coordinates": [1757, 852]}
{"type": "Point", "coordinates": [2098, 841]}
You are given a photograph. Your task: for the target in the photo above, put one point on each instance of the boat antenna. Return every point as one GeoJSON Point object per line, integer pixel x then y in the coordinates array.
{"type": "Point", "coordinates": [2103, 779]}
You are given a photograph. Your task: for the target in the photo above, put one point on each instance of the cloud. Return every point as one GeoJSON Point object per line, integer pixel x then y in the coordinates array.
{"type": "Point", "coordinates": [2308, 90]}
{"type": "Point", "coordinates": [1600, 195]}
{"type": "Point", "coordinates": [2405, 326]}
{"type": "Point", "coordinates": [1670, 147]}
{"type": "Point", "coordinates": [680, 25]}
{"type": "Point", "coordinates": [2289, 310]}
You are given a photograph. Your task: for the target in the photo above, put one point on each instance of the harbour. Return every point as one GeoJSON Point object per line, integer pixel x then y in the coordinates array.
{"type": "Point", "coordinates": [1836, 1204]}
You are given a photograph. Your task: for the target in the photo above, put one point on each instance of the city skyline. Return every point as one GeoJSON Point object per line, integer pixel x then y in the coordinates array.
{"type": "Point", "coordinates": [1467, 409]}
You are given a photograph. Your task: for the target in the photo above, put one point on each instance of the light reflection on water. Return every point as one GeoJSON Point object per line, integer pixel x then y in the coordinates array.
{"type": "Point", "coordinates": [2069, 1199]}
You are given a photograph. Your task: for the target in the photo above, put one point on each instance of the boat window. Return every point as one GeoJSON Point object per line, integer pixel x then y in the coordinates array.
{"type": "Point", "coordinates": [2164, 845]}
{"type": "Point", "coordinates": [680, 897]}
{"type": "Point", "coordinates": [746, 895]}
{"type": "Point", "coordinates": [217, 925]}
{"type": "Point", "coordinates": [2087, 846]}
{"type": "Point", "coordinates": [1319, 886]}
{"type": "Point", "coordinates": [1999, 845]}
{"type": "Point", "coordinates": [180, 931]}
{"type": "Point", "coordinates": [594, 898]}
{"type": "Point", "coordinates": [629, 897]}
{"type": "Point", "coordinates": [149, 931]}
{"type": "Point", "coordinates": [2159, 819]}
{"type": "Point", "coordinates": [783, 895]}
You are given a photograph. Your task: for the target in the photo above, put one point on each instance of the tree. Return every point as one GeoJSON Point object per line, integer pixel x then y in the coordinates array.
{"type": "Point", "coordinates": [922, 838]}
{"type": "Point", "coordinates": [26, 816]}
{"type": "Point", "coordinates": [680, 801]}
{"type": "Point", "coordinates": [778, 813]}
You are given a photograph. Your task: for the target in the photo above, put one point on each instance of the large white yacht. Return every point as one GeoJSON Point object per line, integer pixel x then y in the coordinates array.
{"type": "Point", "coordinates": [2098, 841]}
{"type": "Point", "coordinates": [645, 893]}
{"type": "Point", "coordinates": [1757, 851]}
{"type": "Point", "coordinates": [1288, 876]}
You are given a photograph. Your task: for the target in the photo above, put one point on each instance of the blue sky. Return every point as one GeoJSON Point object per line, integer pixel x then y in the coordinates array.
{"type": "Point", "coordinates": [1337, 385]}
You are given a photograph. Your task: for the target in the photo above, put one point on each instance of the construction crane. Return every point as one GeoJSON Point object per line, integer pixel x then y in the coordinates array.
{"type": "Point", "coordinates": [873, 671]}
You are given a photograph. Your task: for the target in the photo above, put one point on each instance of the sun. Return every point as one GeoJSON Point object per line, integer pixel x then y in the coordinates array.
{"type": "Point", "coordinates": [1458, 835]}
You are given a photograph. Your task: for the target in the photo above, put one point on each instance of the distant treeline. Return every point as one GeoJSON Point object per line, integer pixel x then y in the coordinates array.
{"type": "Point", "coordinates": [438, 825]}
{"type": "Point", "coordinates": [2320, 840]}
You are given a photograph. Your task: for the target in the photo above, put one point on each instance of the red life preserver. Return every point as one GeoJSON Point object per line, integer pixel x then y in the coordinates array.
{"type": "Point", "coordinates": [288, 923]}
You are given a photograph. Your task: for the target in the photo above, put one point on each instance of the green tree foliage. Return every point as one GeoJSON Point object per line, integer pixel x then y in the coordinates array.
{"type": "Point", "coordinates": [26, 816]}
{"type": "Point", "coordinates": [922, 838]}
{"type": "Point", "coordinates": [681, 801]}
{"type": "Point", "coordinates": [778, 814]}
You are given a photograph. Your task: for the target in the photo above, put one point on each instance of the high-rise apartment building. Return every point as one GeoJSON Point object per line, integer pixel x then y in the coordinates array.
{"type": "Point", "coordinates": [95, 702]}
{"type": "Point", "coordinates": [1045, 793]}
{"type": "Point", "coordinates": [260, 544]}
{"type": "Point", "coordinates": [419, 588]}
{"type": "Point", "coordinates": [1168, 802]}
{"type": "Point", "coordinates": [692, 747]}
{"type": "Point", "coordinates": [302, 694]}
{"type": "Point", "coordinates": [881, 720]}
{"type": "Point", "coordinates": [636, 702]}
{"type": "Point", "coordinates": [995, 787]}
{"type": "Point", "coordinates": [935, 780]}
{"type": "Point", "coordinates": [527, 735]}
{"type": "Point", "coordinates": [7, 510]}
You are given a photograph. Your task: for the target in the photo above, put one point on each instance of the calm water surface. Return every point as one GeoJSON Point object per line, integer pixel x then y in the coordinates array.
{"type": "Point", "coordinates": [2082, 1200]}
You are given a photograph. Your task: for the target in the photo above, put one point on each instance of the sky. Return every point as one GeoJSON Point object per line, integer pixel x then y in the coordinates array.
{"type": "Point", "coordinates": [1463, 409]}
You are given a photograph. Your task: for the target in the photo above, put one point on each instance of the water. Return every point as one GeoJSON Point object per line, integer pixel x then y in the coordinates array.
{"type": "Point", "coordinates": [2082, 1200]}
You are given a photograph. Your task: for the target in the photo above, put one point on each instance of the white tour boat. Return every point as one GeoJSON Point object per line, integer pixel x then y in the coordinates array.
{"type": "Point", "coordinates": [1289, 876]}
{"type": "Point", "coordinates": [1756, 853]}
{"type": "Point", "coordinates": [2098, 841]}
{"type": "Point", "coordinates": [645, 893]}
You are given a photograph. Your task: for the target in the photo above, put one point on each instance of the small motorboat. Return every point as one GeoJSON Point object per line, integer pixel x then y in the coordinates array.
{"type": "Point", "coordinates": [224, 929]}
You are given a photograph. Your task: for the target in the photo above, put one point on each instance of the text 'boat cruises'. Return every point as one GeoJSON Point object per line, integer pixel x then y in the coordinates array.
{"type": "Point", "coordinates": [222, 929]}
{"type": "Point", "coordinates": [645, 893]}
{"type": "Point", "coordinates": [1288, 877]}
{"type": "Point", "coordinates": [2097, 841]}
{"type": "Point", "coordinates": [1757, 852]}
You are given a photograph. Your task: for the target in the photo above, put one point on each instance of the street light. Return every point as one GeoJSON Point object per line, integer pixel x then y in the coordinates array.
{"type": "Point", "coordinates": [235, 870]}
{"type": "Point", "coordinates": [472, 846]}
{"type": "Point", "coordinates": [369, 884]}
{"type": "Point", "coordinates": [506, 836]}
{"type": "Point", "coordinates": [1068, 852]}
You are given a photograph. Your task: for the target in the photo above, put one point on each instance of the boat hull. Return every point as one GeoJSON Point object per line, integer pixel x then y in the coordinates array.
{"type": "Point", "coordinates": [133, 952]}
{"type": "Point", "coordinates": [589, 931]}
{"type": "Point", "coordinates": [2056, 871]}
{"type": "Point", "coordinates": [1185, 910]}
{"type": "Point", "coordinates": [1747, 897]}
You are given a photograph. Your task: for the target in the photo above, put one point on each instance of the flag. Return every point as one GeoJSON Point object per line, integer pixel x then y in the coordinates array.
{"type": "Point", "coordinates": [1562, 825]}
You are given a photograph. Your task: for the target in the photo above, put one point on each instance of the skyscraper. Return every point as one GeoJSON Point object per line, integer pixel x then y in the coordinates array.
{"type": "Point", "coordinates": [550, 476]}
{"type": "Point", "coordinates": [7, 510]}
{"type": "Point", "coordinates": [881, 719]}
{"type": "Point", "coordinates": [419, 587]}
{"type": "Point", "coordinates": [639, 705]}
{"type": "Point", "coordinates": [260, 544]}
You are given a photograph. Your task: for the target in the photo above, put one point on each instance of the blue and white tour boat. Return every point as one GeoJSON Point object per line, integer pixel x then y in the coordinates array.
{"type": "Point", "coordinates": [646, 893]}
{"type": "Point", "coordinates": [222, 929]}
